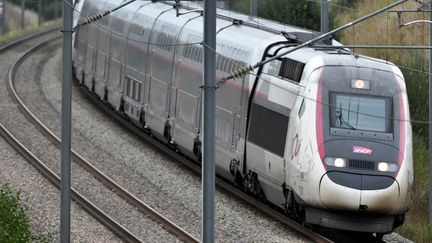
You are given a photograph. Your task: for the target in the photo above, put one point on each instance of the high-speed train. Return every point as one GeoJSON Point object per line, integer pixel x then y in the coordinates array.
{"type": "Point", "coordinates": [321, 133]}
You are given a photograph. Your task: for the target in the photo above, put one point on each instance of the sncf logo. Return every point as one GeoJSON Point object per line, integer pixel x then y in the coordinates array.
{"type": "Point", "coordinates": [361, 150]}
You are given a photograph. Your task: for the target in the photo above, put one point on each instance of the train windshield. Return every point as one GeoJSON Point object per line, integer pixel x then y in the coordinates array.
{"type": "Point", "coordinates": [361, 112]}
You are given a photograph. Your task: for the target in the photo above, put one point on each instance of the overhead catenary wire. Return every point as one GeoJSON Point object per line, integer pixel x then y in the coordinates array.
{"type": "Point", "coordinates": [240, 71]}
{"type": "Point", "coordinates": [235, 63]}
{"type": "Point", "coordinates": [249, 68]}
{"type": "Point", "coordinates": [102, 14]}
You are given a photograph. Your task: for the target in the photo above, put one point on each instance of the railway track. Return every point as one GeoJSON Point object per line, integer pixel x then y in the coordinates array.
{"type": "Point", "coordinates": [105, 219]}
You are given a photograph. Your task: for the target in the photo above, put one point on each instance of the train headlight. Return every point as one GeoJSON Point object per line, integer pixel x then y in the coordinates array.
{"type": "Point", "coordinates": [387, 167]}
{"type": "Point", "coordinates": [360, 84]}
{"type": "Point", "coordinates": [336, 162]}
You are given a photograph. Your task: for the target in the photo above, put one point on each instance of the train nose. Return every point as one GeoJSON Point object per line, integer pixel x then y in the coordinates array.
{"type": "Point", "coordinates": [356, 192]}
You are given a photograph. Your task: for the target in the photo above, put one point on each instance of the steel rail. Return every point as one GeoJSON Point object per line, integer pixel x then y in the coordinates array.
{"type": "Point", "coordinates": [167, 224]}
{"type": "Point", "coordinates": [227, 187]}
{"type": "Point", "coordinates": [98, 214]}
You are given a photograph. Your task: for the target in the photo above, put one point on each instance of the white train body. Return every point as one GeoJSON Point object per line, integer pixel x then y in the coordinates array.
{"type": "Point", "coordinates": [319, 132]}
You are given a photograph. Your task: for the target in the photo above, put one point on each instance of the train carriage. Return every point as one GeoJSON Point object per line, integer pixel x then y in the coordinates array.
{"type": "Point", "coordinates": [323, 134]}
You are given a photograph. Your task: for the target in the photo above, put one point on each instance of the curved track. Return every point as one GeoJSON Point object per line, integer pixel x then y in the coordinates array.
{"type": "Point", "coordinates": [53, 177]}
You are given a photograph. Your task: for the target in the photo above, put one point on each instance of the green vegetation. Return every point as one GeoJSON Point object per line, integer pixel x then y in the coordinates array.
{"type": "Point", "coordinates": [302, 13]}
{"type": "Point", "coordinates": [21, 32]}
{"type": "Point", "coordinates": [14, 222]}
{"type": "Point", "coordinates": [416, 225]}
{"type": "Point", "coordinates": [48, 7]}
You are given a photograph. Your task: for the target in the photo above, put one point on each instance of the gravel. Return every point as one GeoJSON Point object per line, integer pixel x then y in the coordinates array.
{"type": "Point", "coordinates": [41, 198]}
{"type": "Point", "coordinates": [102, 197]}
{"type": "Point", "coordinates": [42, 201]}
{"type": "Point", "coordinates": [395, 238]}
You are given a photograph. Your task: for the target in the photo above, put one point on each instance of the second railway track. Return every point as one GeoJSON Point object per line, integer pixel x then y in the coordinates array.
{"type": "Point", "coordinates": [105, 219]}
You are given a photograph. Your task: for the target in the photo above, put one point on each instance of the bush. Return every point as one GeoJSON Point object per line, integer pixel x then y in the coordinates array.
{"type": "Point", "coordinates": [15, 224]}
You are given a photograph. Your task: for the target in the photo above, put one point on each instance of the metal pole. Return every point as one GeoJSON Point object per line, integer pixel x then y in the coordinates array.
{"type": "Point", "coordinates": [324, 16]}
{"type": "Point", "coordinates": [253, 9]}
{"type": "Point", "coordinates": [39, 12]}
{"type": "Point", "coordinates": [66, 124]}
{"type": "Point", "coordinates": [22, 13]}
{"type": "Point", "coordinates": [209, 110]}
{"type": "Point", "coordinates": [430, 119]}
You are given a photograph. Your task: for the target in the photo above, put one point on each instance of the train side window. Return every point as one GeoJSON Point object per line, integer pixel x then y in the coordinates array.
{"type": "Point", "coordinates": [226, 65]}
{"type": "Point", "coordinates": [133, 89]}
{"type": "Point", "coordinates": [139, 92]}
{"type": "Point", "coordinates": [196, 54]}
{"type": "Point", "coordinates": [200, 54]}
{"type": "Point", "coordinates": [291, 69]}
{"type": "Point", "coordinates": [230, 65]}
{"type": "Point", "coordinates": [127, 86]}
{"type": "Point", "coordinates": [219, 62]}
{"type": "Point", "coordinates": [136, 90]}
{"type": "Point", "coordinates": [270, 137]}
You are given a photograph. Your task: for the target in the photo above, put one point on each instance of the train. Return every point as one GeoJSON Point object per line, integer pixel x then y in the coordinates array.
{"type": "Point", "coordinates": [322, 133]}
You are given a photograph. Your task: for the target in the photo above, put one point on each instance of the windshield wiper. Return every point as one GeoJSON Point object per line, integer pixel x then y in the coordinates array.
{"type": "Point", "coordinates": [342, 120]}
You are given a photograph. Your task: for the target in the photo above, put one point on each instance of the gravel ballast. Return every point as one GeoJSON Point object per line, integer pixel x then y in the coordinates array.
{"type": "Point", "coordinates": [40, 197]}
{"type": "Point", "coordinates": [118, 209]}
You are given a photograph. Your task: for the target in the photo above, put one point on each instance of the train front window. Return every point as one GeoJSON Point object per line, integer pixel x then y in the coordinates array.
{"type": "Point", "coordinates": [361, 112]}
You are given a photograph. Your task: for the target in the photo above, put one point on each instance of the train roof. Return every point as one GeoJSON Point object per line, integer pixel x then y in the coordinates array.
{"type": "Point", "coordinates": [260, 23]}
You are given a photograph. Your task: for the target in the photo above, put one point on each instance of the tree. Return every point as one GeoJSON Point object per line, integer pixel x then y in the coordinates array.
{"type": "Point", "coordinates": [302, 13]}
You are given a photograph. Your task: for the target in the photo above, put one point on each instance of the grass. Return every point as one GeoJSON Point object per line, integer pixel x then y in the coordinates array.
{"type": "Point", "coordinates": [30, 29]}
{"type": "Point", "coordinates": [416, 225]}
{"type": "Point", "coordinates": [15, 225]}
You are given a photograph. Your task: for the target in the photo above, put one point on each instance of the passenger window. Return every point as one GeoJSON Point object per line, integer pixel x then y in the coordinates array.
{"type": "Point", "coordinates": [139, 92]}
{"type": "Point", "coordinates": [127, 86]}
{"type": "Point", "coordinates": [133, 89]}
{"type": "Point", "coordinates": [219, 62]}
{"type": "Point", "coordinates": [271, 138]}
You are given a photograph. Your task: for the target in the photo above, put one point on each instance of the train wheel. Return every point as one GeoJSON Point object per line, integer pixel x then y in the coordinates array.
{"type": "Point", "coordinates": [253, 187]}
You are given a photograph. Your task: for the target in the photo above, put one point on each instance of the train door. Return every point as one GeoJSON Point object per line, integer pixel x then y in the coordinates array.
{"type": "Point", "coordinates": [103, 43]}
{"type": "Point", "coordinates": [90, 55]}
{"type": "Point", "coordinates": [161, 58]}
{"type": "Point", "coordinates": [80, 43]}
{"type": "Point", "coordinates": [187, 79]}
{"type": "Point", "coordinates": [135, 67]}
{"type": "Point", "coordinates": [229, 100]}
{"type": "Point", "coordinates": [119, 28]}
{"type": "Point", "coordinates": [267, 133]}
